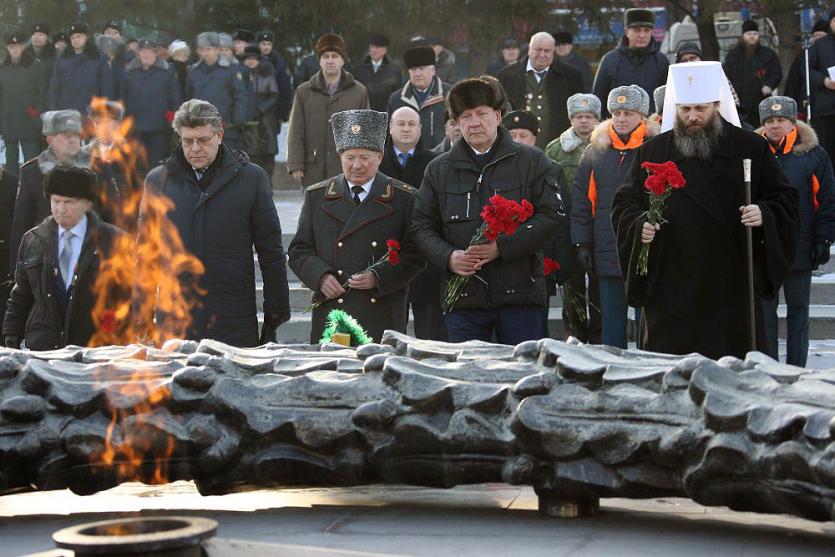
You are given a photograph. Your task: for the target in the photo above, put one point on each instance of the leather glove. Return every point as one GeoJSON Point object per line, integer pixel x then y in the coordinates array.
{"type": "Point", "coordinates": [820, 254]}
{"type": "Point", "coordinates": [271, 322]}
{"type": "Point", "coordinates": [13, 342]}
{"type": "Point", "coordinates": [585, 256]}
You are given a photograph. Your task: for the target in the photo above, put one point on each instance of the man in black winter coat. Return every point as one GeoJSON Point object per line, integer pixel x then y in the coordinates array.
{"type": "Point", "coordinates": [506, 290]}
{"type": "Point", "coordinates": [379, 75]}
{"type": "Point", "coordinates": [8, 188]}
{"type": "Point", "coordinates": [753, 70]}
{"type": "Point", "coordinates": [52, 300]}
{"type": "Point", "coordinates": [541, 84]}
{"type": "Point", "coordinates": [821, 58]}
{"type": "Point", "coordinates": [23, 83]}
{"type": "Point", "coordinates": [635, 61]}
{"type": "Point", "coordinates": [80, 73]}
{"type": "Point", "coordinates": [151, 93]}
{"type": "Point", "coordinates": [405, 159]}
{"type": "Point", "coordinates": [223, 206]}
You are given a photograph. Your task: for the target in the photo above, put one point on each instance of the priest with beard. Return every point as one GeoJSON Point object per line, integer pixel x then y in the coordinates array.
{"type": "Point", "coordinates": [694, 296]}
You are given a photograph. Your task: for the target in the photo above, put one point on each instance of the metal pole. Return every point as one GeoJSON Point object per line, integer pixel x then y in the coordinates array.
{"type": "Point", "coordinates": [749, 244]}
{"type": "Point", "coordinates": [806, 45]}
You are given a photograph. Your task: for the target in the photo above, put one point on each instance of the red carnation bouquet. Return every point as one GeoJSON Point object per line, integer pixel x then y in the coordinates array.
{"type": "Point", "coordinates": [499, 216]}
{"type": "Point", "coordinates": [662, 179]}
{"type": "Point", "coordinates": [392, 255]}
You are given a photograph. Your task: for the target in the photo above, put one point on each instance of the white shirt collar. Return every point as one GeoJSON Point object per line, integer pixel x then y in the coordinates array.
{"type": "Point", "coordinates": [530, 68]}
{"type": "Point", "coordinates": [366, 187]}
{"type": "Point", "coordinates": [477, 152]}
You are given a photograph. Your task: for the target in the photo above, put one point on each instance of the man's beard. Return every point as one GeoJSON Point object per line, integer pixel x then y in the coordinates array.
{"type": "Point", "coordinates": [699, 144]}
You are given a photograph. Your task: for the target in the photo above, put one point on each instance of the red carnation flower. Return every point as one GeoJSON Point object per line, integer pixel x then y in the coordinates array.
{"type": "Point", "coordinates": [393, 245]}
{"type": "Point", "coordinates": [393, 257]}
{"type": "Point", "coordinates": [550, 266]}
{"type": "Point", "coordinates": [107, 321]}
{"type": "Point", "coordinates": [169, 116]}
{"type": "Point", "coordinates": [32, 112]}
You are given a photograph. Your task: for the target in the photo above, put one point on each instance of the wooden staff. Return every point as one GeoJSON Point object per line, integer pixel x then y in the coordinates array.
{"type": "Point", "coordinates": [749, 245]}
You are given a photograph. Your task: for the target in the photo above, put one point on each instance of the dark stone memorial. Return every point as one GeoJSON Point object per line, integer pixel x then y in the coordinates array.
{"type": "Point", "coordinates": [576, 422]}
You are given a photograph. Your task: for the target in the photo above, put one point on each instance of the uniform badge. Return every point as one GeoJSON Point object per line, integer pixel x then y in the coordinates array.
{"type": "Point", "coordinates": [331, 192]}
{"type": "Point", "coordinates": [238, 76]}
{"type": "Point", "coordinates": [356, 129]}
{"type": "Point", "coordinates": [776, 107]}
{"type": "Point", "coordinates": [388, 195]}
{"type": "Point", "coordinates": [585, 102]}
{"type": "Point", "coordinates": [515, 118]}
{"type": "Point", "coordinates": [621, 99]}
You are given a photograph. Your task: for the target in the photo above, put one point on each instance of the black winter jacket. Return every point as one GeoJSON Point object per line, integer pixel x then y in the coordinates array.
{"type": "Point", "coordinates": [149, 94]}
{"type": "Point", "coordinates": [220, 226]}
{"type": "Point", "coordinates": [34, 310]}
{"type": "Point", "coordinates": [821, 57]}
{"type": "Point", "coordinates": [748, 76]}
{"type": "Point", "coordinates": [645, 67]}
{"type": "Point", "coordinates": [808, 168]}
{"type": "Point", "coordinates": [447, 215]}
{"type": "Point", "coordinates": [77, 78]}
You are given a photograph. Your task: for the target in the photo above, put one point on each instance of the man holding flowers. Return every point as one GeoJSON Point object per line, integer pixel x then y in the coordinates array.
{"type": "Point", "coordinates": [691, 282]}
{"type": "Point", "coordinates": [484, 212]}
{"type": "Point", "coordinates": [351, 247]}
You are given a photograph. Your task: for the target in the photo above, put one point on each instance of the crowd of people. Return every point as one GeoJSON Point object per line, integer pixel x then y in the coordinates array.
{"type": "Point", "coordinates": [404, 151]}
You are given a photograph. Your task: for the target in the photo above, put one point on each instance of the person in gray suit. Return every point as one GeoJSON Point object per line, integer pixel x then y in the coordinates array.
{"type": "Point", "coordinates": [344, 226]}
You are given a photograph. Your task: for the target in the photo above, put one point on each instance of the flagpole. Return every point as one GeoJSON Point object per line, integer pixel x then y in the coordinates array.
{"type": "Point", "coordinates": [749, 244]}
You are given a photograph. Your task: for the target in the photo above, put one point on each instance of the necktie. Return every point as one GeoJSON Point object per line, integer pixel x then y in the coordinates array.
{"type": "Point", "coordinates": [541, 74]}
{"type": "Point", "coordinates": [357, 191]}
{"type": "Point", "coordinates": [65, 256]}
{"type": "Point", "coordinates": [404, 158]}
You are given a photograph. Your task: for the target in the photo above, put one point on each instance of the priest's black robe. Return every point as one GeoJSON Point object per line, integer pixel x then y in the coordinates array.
{"type": "Point", "coordinates": [694, 297]}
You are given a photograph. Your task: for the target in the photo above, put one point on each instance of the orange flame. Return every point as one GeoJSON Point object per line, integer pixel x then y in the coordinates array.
{"type": "Point", "coordinates": [147, 273]}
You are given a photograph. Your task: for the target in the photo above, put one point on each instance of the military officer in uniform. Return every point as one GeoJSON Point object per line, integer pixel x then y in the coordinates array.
{"type": "Point", "coordinates": [343, 229]}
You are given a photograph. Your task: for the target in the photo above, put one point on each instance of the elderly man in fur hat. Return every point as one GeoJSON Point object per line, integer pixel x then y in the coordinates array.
{"type": "Point", "coordinates": [344, 228]}
{"type": "Point", "coordinates": [52, 299]}
{"type": "Point", "coordinates": [694, 296]}
{"type": "Point", "coordinates": [62, 129]}
{"type": "Point", "coordinates": [601, 170]}
{"type": "Point", "coordinates": [506, 291]}
{"type": "Point", "coordinates": [214, 80]}
{"type": "Point", "coordinates": [311, 153]}
{"type": "Point", "coordinates": [808, 168]}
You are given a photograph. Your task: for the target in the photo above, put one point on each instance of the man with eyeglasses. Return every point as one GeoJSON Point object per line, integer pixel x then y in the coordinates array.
{"type": "Point", "coordinates": [222, 207]}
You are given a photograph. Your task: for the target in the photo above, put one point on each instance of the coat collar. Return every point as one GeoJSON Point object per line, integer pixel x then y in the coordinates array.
{"type": "Point", "coordinates": [135, 64]}
{"type": "Point", "coordinates": [376, 205]}
{"type": "Point", "coordinates": [436, 96]}
{"type": "Point", "coordinates": [805, 139]}
{"type": "Point", "coordinates": [459, 154]}
{"type": "Point", "coordinates": [317, 82]}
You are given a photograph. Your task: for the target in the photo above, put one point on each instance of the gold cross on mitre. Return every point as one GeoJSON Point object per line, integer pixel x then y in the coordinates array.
{"type": "Point", "coordinates": [690, 80]}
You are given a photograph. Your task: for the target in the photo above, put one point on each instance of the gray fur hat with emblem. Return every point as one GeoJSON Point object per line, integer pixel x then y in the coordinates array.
{"type": "Point", "coordinates": [658, 97]}
{"type": "Point", "coordinates": [359, 129]}
{"type": "Point", "coordinates": [61, 121]}
{"type": "Point", "coordinates": [778, 106]}
{"type": "Point", "coordinates": [628, 97]}
{"type": "Point", "coordinates": [225, 40]}
{"type": "Point", "coordinates": [208, 38]}
{"type": "Point", "coordinates": [583, 102]}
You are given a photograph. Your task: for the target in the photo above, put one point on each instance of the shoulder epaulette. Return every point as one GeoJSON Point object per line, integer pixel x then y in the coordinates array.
{"type": "Point", "coordinates": [403, 186]}
{"type": "Point", "coordinates": [317, 186]}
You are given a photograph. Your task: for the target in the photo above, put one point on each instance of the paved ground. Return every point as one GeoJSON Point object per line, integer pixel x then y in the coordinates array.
{"type": "Point", "coordinates": [491, 519]}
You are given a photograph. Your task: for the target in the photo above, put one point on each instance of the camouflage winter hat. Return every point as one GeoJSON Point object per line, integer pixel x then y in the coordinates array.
{"type": "Point", "coordinates": [359, 129]}
{"type": "Point", "coordinates": [61, 121]}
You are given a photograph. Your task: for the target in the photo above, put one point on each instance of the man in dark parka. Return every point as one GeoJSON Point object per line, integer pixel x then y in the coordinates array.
{"type": "Point", "coordinates": [80, 73]}
{"type": "Point", "coordinates": [694, 297]}
{"type": "Point", "coordinates": [343, 229]}
{"type": "Point", "coordinates": [223, 206]}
